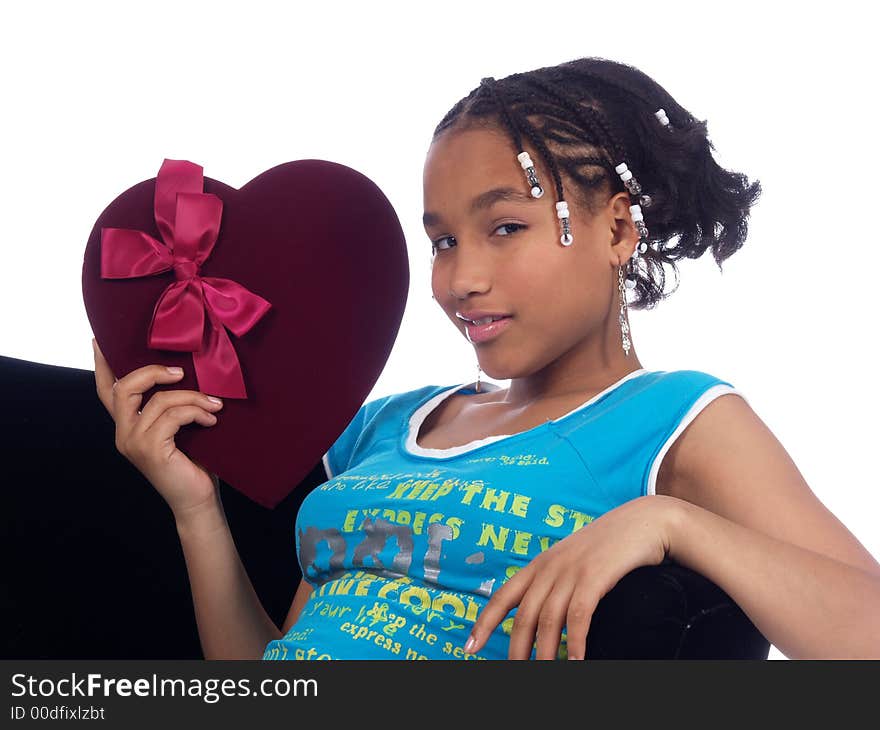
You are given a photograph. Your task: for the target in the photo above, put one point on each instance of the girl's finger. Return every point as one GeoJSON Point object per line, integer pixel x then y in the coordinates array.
{"type": "Point", "coordinates": [525, 623]}
{"type": "Point", "coordinates": [172, 419]}
{"type": "Point", "coordinates": [172, 399]}
{"type": "Point", "coordinates": [128, 393]}
{"type": "Point", "coordinates": [550, 622]}
{"type": "Point", "coordinates": [577, 622]}
{"type": "Point", "coordinates": [494, 612]}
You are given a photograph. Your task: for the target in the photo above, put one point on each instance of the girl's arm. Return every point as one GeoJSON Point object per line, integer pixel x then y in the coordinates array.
{"type": "Point", "coordinates": [299, 599]}
{"type": "Point", "coordinates": [808, 605]}
{"type": "Point", "coordinates": [746, 519]}
{"type": "Point", "coordinates": [231, 619]}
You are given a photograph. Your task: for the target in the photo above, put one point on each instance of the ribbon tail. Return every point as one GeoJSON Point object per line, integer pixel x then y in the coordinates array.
{"type": "Point", "coordinates": [217, 367]}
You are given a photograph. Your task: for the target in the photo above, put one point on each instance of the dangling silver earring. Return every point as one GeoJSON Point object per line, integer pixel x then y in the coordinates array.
{"type": "Point", "coordinates": [624, 324]}
{"type": "Point", "coordinates": [477, 389]}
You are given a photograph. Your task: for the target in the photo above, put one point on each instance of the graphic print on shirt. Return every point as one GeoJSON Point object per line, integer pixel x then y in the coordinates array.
{"type": "Point", "coordinates": [414, 574]}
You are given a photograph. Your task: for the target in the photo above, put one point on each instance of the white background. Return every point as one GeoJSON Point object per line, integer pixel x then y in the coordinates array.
{"type": "Point", "coordinates": [96, 94]}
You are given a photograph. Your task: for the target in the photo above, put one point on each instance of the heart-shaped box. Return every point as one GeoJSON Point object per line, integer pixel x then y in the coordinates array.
{"type": "Point", "coordinates": [308, 269]}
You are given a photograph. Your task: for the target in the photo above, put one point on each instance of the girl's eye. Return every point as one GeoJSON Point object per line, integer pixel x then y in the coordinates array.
{"type": "Point", "coordinates": [514, 226]}
{"type": "Point", "coordinates": [435, 245]}
{"type": "Point", "coordinates": [511, 229]}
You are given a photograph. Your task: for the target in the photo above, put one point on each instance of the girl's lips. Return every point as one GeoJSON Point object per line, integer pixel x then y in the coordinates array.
{"type": "Point", "coordinates": [477, 333]}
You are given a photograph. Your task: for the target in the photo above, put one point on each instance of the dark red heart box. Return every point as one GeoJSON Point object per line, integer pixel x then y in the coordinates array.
{"type": "Point", "coordinates": [323, 245]}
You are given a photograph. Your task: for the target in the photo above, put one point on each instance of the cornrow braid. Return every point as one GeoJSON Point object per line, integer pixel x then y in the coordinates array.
{"type": "Point", "coordinates": [589, 117]}
{"type": "Point", "coordinates": [551, 131]}
{"type": "Point", "coordinates": [595, 113]}
{"type": "Point", "coordinates": [489, 84]}
{"type": "Point", "coordinates": [526, 126]}
{"type": "Point", "coordinates": [517, 124]}
{"type": "Point", "coordinates": [591, 120]}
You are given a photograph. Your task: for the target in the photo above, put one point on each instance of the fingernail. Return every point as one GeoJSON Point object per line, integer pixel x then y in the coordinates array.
{"type": "Point", "coordinates": [215, 400]}
{"type": "Point", "coordinates": [175, 371]}
{"type": "Point", "coordinates": [470, 644]}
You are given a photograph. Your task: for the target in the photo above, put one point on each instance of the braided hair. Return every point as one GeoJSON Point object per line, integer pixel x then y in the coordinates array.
{"type": "Point", "coordinates": [584, 117]}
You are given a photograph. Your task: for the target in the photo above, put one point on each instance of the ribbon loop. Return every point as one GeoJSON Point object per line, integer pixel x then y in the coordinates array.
{"type": "Point", "coordinates": [192, 313]}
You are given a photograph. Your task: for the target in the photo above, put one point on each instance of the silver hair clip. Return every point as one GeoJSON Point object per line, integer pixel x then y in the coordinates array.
{"type": "Point", "coordinates": [562, 213]}
{"type": "Point", "coordinates": [526, 162]}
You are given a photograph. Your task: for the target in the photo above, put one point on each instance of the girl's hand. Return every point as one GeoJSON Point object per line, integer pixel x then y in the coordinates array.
{"type": "Point", "coordinates": [146, 437]}
{"type": "Point", "coordinates": [562, 586]}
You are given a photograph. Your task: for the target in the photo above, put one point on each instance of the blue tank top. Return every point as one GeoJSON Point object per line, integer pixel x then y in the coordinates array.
{"type": "Point", "coordinates": [403, 545]}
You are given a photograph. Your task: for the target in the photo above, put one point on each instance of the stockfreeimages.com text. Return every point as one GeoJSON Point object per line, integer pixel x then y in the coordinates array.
{"type": "Point", "coordinates": [210, 690]}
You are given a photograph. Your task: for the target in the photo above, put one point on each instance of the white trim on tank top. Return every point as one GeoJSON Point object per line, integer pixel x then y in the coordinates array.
{"type": "Point", "coordinates": [418, 418]}
{"type": "Point", "coordinates": [705, 399]}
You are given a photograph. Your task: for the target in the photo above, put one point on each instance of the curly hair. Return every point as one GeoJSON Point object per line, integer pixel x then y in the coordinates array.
{"type": "Point", "coordinates": [586, 116]}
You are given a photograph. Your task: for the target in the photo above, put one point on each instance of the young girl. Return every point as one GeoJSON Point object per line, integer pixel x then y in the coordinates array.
{"type": "Point", "coordinates": [471, 521]}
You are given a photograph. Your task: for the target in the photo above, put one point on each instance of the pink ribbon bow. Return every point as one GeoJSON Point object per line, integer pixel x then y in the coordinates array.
{"type": "Point", "coordinates": [188, 221]}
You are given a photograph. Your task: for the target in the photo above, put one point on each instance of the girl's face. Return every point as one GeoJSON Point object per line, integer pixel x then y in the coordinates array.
{"type": "Point", "coordinates": [497, 249]}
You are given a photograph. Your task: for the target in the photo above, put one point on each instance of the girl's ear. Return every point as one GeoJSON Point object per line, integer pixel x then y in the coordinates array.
{"type": "Point", "coordinates": [624, 236]}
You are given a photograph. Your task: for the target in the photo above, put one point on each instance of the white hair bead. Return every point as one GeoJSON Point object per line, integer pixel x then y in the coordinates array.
{"type": "Point", "coordinates": [562, 213]}
{"type": "Point", "coordinates": [626, 175]}
{"type": "Point", "coordinates": [636, 213]}
{"type": "Point", "coordinates": [562, 205]}
{"type": "Point", "coordinates": [621, 168]}
{"type": "Point", "coordinates": [525, 160]}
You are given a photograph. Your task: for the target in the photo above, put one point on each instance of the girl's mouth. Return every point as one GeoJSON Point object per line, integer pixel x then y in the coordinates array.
{"type": "Point", "coordinates": [478, 333]}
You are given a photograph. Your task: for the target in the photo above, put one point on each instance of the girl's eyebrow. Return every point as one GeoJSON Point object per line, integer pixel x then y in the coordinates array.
{"type": "Point", "coordinates": [483, 201]}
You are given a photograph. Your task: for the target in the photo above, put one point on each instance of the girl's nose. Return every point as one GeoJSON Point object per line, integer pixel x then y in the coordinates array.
{"type": "Point", "coordinates": [470, 273]}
